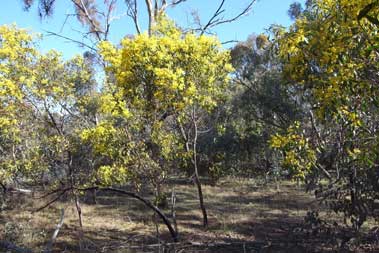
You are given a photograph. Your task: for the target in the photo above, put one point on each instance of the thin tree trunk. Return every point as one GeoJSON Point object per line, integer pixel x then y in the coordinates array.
{"type": "Point", "coordinates": [157, 234]}
{"type": "Point", "coordinates": [194, 163]}
{"type": "Point", "coordinates": [173, 209]}
{"type": "Point", "coordinates": [95, 197]}
{"type": "Point", "coordinates": [196, 175]}
{"type": "Point", "coordinates": [150, 12]}
{"type": "Point", "coordinates": [79, 211]}
{"type": "Point", "coordinates": [201, 200]}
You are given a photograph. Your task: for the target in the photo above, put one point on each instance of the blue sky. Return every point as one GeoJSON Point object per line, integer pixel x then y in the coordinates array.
{"type": "Point", "coordinates": [264, 13]}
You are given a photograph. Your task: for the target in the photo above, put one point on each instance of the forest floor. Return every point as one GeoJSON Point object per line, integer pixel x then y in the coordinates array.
{"type": "Point", "coordinates": [244, 216]}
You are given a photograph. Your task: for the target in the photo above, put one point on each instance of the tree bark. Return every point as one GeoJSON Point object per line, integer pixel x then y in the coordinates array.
{"type": "Point", "coordinates": [173, 209]}
{"type": "Point", "coordinates": [201, 201]}
{"type": "Point", "coordinates": [49, 247]}
{"type": "Point", "coordinates": [194, 163]}
{"type": "Point", "coordinates": [196, 175]}
{"type": "Point", "coordinates": [79, 211]}
{"type": "Point", "coordinates": [150, 12]}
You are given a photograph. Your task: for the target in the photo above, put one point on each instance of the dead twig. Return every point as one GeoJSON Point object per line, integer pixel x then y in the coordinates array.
{"type": "Point", "coordinates": [217, 19]}
{"type": "Point", "coordinates": [49, 33]}
{"type": "Point", "coordinates": [53, 200]}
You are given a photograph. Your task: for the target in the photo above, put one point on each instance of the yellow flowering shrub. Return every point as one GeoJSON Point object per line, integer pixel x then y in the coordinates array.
{"type": "Point", "coordinates": [152, 82]}
{"type": "Point", "coordinates": [298, 155]}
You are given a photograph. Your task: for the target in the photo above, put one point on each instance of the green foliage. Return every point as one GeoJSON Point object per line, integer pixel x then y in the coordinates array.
{"type": "Point", "coordinates": [330, 54]}
{"type": "Point", "coordinates": [258, 105]}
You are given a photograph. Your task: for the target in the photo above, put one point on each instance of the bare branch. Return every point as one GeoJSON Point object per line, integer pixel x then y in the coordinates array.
{"type": "Point", "coordinates": [217, 19]}
{"type": "Point", "coordinates": [133, 13]}
{"type": "Point", "coordinates": [52, 119]}
{"type": "Point", "coordinates": [230, 41]}
{"type": "Point", "coordinates": [172, 4]}
{"type": "Point", "coordinates": [110, 8]}
{"type": "Point", "coordinates": [65, 21]}
{"type": "Point", "coordinates": [20, 190]}
{"type": "Point", "coordinates": [214, 18]}
{"type": "Point", "coordinates": [177, 2]}
{"type": "Point", "coordinates": [49, 33]}
{"type": "Point", "coordinates": [52, 193]}
{"type": "Point", "coordinates": [53, 200]}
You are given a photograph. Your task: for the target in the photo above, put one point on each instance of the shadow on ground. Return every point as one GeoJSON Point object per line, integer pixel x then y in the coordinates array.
{"type": "Point", "coordinates": [243, 216]}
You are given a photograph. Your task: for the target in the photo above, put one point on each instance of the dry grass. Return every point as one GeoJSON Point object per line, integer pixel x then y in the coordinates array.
{"type": "Point", "coordinates": [240, 212]}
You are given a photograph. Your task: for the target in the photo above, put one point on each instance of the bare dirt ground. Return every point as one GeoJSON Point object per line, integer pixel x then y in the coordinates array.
{"type": "Point", "coordinates": [244, 216]}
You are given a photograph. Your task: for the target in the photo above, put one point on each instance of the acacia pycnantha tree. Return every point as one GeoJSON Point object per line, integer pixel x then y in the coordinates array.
{"type": "Point", "coordinates": [331, 55]}
{"type": "Point", "coordinates": [46, 106]}
{"type": "Point", "coordinates": [43, 107]}
{"type": "Point", "coordinates": [57, 128]}
{"type": "Point", "coordinates": [158, 86]}
{"type": "Point", "coordinates": [16, 56]}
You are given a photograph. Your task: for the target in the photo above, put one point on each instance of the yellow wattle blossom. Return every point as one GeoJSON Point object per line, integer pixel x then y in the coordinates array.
{"type": "Point", "coordinates": [299, 157]}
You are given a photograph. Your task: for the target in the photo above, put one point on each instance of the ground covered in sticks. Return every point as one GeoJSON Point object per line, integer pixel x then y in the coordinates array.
{"type": "Point", "coordinates": [244, 216]}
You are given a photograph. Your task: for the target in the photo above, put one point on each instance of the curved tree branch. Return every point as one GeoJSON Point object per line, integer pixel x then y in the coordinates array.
{"type": "Point", "coordinates": [167, 222]}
